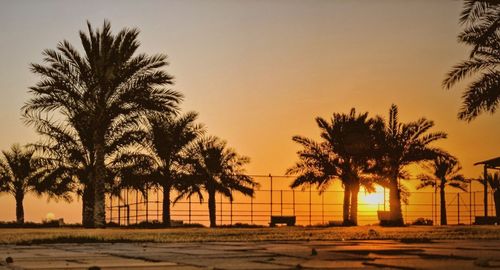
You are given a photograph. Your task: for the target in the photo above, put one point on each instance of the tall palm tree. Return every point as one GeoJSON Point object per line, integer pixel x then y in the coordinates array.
{"type": "Point", "coordinates": [106, 89]}
{"type": "Point", "coordinates": [482, 22]}
{"type": "Point", "coordinates": [404, 144]}
{"type": "Point", "coordinates": [493, 180]}
{"type": "Point", "coordinates": [346, 153]}
{"type": "Point", "coordinates": [443, 171]}
{"type": "Point", "coordinates": [215, 168]}
{"type": "Point", "coordinates": [21, 172]}
{"type": "Point", "coordinates": [163, 154]}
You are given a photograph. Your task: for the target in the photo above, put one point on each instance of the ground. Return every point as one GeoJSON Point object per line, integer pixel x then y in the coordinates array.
{"type": "Point", "coordinates": [457, 247]}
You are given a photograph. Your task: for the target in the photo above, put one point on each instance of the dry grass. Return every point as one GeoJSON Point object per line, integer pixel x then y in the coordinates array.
{"type": "Point", "coordinates": [77, 235]}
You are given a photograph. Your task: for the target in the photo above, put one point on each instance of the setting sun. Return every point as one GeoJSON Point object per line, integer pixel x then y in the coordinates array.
{"type": "Point", "coordinates": [375, 198]}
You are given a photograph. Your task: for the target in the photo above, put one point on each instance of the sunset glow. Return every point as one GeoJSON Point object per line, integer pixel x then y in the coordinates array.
{"type": "Point", "coordinates": [260, 72]}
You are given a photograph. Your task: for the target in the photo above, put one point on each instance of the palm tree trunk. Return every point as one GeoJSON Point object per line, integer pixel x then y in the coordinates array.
{"type": "Point", "coordinates": [395, 201]}
{"type": "Point", "coordinates": [442, 194]}
{"type": "Point", "coordinates": [496, 198]}
{"type": "Point", "coordinates": [88, 206]}
{"type": "Point", "coordinates": [354, 204]}
{"type": "Point", "coordinates": [19, 208]}
{"type": "Point", "coordinates": [346, 205]}
{"type": "Point", "coordinates": [166, 205]}
{"type": "Point", "coordinates": [211, 208]}
{"type": "Point", "coordinates": [99, 185]}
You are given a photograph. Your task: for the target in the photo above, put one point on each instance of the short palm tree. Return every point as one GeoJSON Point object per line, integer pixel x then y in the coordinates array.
{"type": "Point", "coordinates": [443, 171]}
{"type": "Point", "coordinates": [163, 154]}
{"type": "Point", "coordinates": [105, 90]}
{"type": "Point", "coordinates": [482, 22]}
{"type": "Point", "coordinates": [493, 180]}
{"type": "Point", "coordinates": [345, 154]}
{"type": "Point", "coordinates": [21, 172]}
{"type": "Point", "coordinates": [404, 144]}
{"type": "Point", "coordinates": [215, 168]}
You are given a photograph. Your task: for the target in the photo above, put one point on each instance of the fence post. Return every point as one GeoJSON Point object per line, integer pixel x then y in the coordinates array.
{"type": "Point", "coordinates": [281, 202]}
{"type": "Point", "coordinates": [189, 209]}
{"type": "Point", "coordinates": [293, 195]}
{"type": "Point", "coordinates": [323, 208]}
{"type": "Point", "coordinates": [157, 206]}
{"type": "Point", "coordinates": [231, 212]}
{"type": "Point", "coordinates": [474, 204]}
{"type": "Point", "coordinates": [110, 208]}
{"type": "Point", "coordinates": [128, 215]}
{"type": "Point", "coordinates": [127, 205]}
{"type": "Point", "coordinates": [310, 204]}
{"type": "Point", "coordinates": [251, 204]}
{"type": "Point", "coordinates": [458, 208]}
{"type": "Point", "coordinates": [221, 209]}
{"type": "Point", "coordinates": [485, 183]}
{"type": "Point", "coordinates": [470, 203]}
{"type": "Point", "coordinates": [271, 191]}
{"type": "Point", "coordinates": [119, 213]}
{"type": "Point", "coordinates": [147, 206]}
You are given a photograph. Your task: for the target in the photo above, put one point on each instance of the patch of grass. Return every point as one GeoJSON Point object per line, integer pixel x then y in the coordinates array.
{"type": "Point", "coordinates": [410, 234]}
{"type": "Point", "coordinates": [69, 239]}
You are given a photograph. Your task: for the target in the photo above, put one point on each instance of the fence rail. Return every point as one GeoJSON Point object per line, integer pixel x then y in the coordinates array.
{"type": "Point", "coordinates": [308, 206]}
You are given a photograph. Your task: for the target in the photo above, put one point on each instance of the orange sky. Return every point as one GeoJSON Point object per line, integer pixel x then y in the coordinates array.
{"type": "Point", "coordinates": [259, 72]}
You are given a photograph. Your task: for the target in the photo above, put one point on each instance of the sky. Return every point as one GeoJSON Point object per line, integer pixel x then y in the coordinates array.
{"type": "Point", "coordinates": [259, 72]}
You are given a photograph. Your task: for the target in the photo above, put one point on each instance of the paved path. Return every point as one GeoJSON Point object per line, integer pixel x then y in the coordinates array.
{"type": "Point", "coordinates": [479, 254]}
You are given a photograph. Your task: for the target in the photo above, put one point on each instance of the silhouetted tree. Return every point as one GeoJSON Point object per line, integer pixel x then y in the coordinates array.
{"type": "Point", "coordinates": [481, 19]}
{"type": "Point", "coordinates": [163, 154]}
{"type": "Point", "coordinates": [215, 168]}
{"type": "Point", "coordinates": [70, 159]}
{"type": "Point", "coordinates": [493, 180]}
{"type": "Point", "coordinates": [105, 90]}
{"type": "Point", "coordinates": [443, 171]}
{"type": "Point", "coordinates": [404, 144]}
{"type": "Point", "coordinates": [21, 173]}
{"type": "Point", "coordinates": [346, 153]}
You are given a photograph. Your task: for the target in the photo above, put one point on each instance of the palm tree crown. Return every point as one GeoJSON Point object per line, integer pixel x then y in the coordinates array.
{"type": "Point", "coordinates": [106, 91]}
{"type": "Point", "coordinates": [482, 21]}
{"type": "Point", "coordinates": [404, 144]}
{"type": "Point", "coordinates": [443, 171]}
{"type": "Point", "coordinates": [22, 172]}
{"type": "Point", "coordinates": [162, 156]}
{"type": "Point", "coordinates": [213, 167]}
{"type": "Point", "coordinates": [346, 152]}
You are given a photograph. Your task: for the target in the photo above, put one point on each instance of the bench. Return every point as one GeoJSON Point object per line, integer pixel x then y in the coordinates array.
{"type": "Point", "coordinates": [288, 220]}
{"type": "Point", "coordinates": [482, 220]}
{"type": "Point", "coordinates": [384, 216]}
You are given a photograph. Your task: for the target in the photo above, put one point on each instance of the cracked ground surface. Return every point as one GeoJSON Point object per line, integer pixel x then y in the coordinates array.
{"type": "Point", "coordinates": [375, 254]}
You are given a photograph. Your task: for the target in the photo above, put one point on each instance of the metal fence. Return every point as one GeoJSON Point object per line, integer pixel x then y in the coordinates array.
{"type": "Point", "coordinates": [308, 206]}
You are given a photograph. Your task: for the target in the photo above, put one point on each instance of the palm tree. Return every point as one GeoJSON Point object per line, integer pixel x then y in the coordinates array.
{"type": "Point", "coordinates": [443, 171]}
{"type": "Point", "coordinates": [163, 154]}
{"type": "Point", "coordinates": [404, 144]}
{"type": "Point", "coordinates": [345, 154]}
{"type": "Point", "coordinates": [493, 180]}
{"type": "Point", "coordinates": [105, 90]}
{"type": "Point", "coordinates": [482, 21]}
{"type": "Point", "coordinates": [63, 148]}
{"type": "Point", "coordinates": [318, 165]}
{"type": "Point", "coordinates": [21, 173]}
{"type": "Point", "coordinates": [213, 167]}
